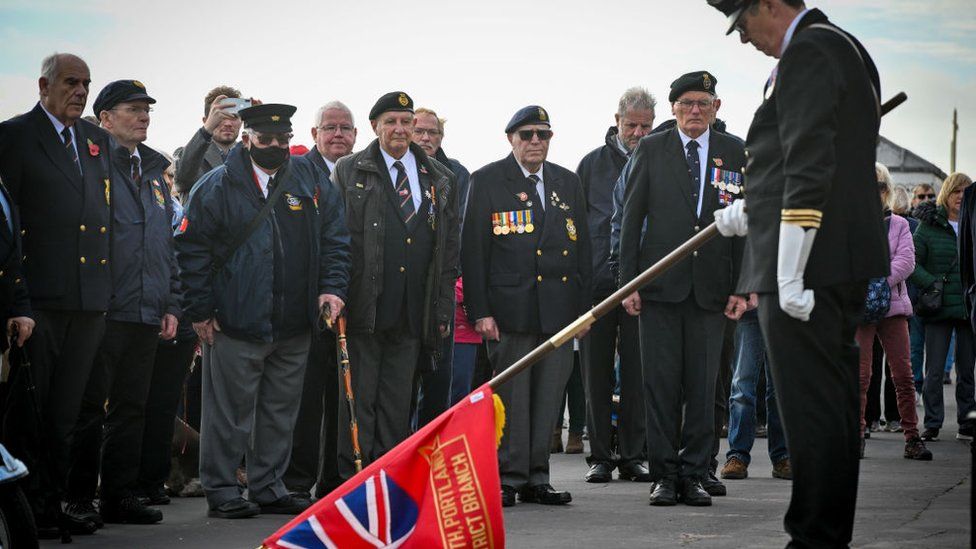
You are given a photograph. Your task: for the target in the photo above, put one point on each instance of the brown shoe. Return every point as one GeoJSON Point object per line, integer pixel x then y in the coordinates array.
{"type": "Point", "coordinates": [782, 469]}
{"type": "Point", "coordinates": [735, 469]}
{"type": "Point", "coordinates": [575, 443]}
{"type": "Point", "coordinates": [556, 445]}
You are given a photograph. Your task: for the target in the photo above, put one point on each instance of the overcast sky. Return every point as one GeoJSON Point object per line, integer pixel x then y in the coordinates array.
{"type": "Point", "coordinates": [477, 63]}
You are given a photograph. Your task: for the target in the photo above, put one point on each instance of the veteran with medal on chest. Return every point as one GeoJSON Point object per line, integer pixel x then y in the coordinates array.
{"type": "Point", "coordinates": [678, 178]}
{"type": "Point", "coordinates": [525, 255]}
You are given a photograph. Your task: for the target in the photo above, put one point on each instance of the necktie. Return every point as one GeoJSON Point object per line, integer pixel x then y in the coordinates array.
{"type": "Point", "coordinates": [136, 172]}
{"type": "Point", "coordinates": [694, 169]}
{"type": "Point", "coordinates": [402, 187]}
{"type": "Point", "coordinates": [271, 186]}
{"type": "Point", "coordinates": [538, 212]}
{"type": "Point", "coordinates": [70, 148]}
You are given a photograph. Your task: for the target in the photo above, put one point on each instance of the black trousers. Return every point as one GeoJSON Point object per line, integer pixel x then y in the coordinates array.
{"type": "Point", "coordinates": [173, 359]}
{"type": "Point", "coordinates": [61, 351]}
{"type": "Point", "coordinates": [880, 376]}
{"type": "Point", "coordinates": [723, 386]}
{"type": "Point", "coordinates": [816, 375]}
{"type": "Point", "coordinates": [314, 455]}
{"type": "Point", "coordinates": [615, 334]}
{"type": "Point", "coordinates": [122, 374]}
{"type": "Point", "coordinates": [681, 344]}
{"type": "Point", "coordinates": [433, 392]}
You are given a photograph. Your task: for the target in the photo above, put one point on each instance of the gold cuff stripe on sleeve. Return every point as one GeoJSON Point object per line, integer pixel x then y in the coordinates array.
{"type": "Point", "coordinates": [806, 223]}
{"type": "Point", "coordinates": [802, 213]}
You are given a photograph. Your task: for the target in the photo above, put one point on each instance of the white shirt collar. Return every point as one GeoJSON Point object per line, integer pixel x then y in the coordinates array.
{"type": "Point", "coordinates": [791, 30]}
{"type": "Point", "coordinates": [263, 178]}
{"type": "Point", "coordinates": [527, 173]}
{"type": "Point", "coordinates": [701, 139]}
{"type": "Point", "coordinates": [408, 159]}
{"type": "Point", "coordinates": [328, 163]}
{"type": "Point", "coordinates": [621, 146]}
{"type": "Point", "coordinates": [58, 126]}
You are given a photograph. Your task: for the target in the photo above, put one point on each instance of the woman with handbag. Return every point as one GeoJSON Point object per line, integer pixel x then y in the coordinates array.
{"type": "Point", "coordinates": [888, 319]}
{"type": "Point", "coordinates": [940, 304]}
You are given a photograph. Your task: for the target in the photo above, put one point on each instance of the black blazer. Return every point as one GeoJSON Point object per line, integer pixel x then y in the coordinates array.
{"type": "Point", "coordinates": [65, 218]}
{"type": "Point", "coordinates": [534, 283]}
{"type": "Point", "coordinates": [967, 254]}
{"type": "Point", "coordinates": [659, 192]}
{"type": "Point", "coordinates": [812, 150]}
{"type": "Point", "coordinates": [14, 300]}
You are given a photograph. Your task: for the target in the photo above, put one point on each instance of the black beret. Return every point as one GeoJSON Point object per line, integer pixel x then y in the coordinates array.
{"type": "Point", "coordinates": [120, 91]}
{"type": "Point", "coordinates": [533, 114]}
{"type": "Point", "coordinates": [702, 81]}
{"type": "Point", "coordinates": [268, 117]}
{"type": "Point", "coordinates": [393, 101]}
{"type": "Point", "coordinates": [732, 9]}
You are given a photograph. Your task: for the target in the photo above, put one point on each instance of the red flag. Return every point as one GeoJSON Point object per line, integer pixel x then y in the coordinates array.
{"type": "Point", "coordinates": [438, 488]}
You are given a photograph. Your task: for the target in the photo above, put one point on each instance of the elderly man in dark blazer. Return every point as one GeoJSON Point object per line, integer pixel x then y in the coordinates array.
{"type": "Point", "coordinates": [56, 168]}
{"type": "Point", "coordinates": [527, 266]}
{"type": "Point", "coordinates": [678, 178]}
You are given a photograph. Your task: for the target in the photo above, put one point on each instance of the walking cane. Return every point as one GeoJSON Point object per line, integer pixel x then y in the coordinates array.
{"type": "Point", "coordinates": [343, 351]}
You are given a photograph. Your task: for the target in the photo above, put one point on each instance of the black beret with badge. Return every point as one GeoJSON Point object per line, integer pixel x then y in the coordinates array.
{"type": "Point", "coordinates": [533, 114]}
{"type": "Point", "coordinates": [702, 81]}
{"type": "Point", "coordinates": [393, 101]}
{"type": "Point", "coordinates": [120, 91]}
{"type": "Point", "coordinates": [732, 9]}
{"type": "Point", "coordinates": [268, 117]}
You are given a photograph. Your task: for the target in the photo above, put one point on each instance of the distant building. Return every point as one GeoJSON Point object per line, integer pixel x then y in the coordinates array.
{"type": "Point", "coordinates": [907, 168]}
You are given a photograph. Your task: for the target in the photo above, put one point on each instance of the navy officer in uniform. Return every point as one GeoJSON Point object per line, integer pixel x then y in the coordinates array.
{"type": "Point", "coordinates": [262, 248]}
{"type": "Point", "coordinates": [677, 179]}
{"type": "Point", "coordinates": [815, 237]}
{"type": "Point", "coordinates": [527, 267]}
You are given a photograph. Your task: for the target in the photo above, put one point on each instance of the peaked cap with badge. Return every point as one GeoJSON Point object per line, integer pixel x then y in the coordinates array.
{"type": "Point", "coordinates": [732, 9]}
{"type": "Point", "coordinates": [268, 117]}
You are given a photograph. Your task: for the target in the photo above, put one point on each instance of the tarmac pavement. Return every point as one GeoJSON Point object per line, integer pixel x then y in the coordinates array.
{"type": "Point", "coordinates": [901, 503]}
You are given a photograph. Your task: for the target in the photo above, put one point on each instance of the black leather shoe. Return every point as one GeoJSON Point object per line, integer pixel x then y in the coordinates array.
{"type": "Point", "coordinates": [154, 496]}
{"type": "Point", "coordinates": [285, 505]}
{"type": "Point", "coordinates": [508, 496]}
{"type": "Point", "coordinates": [599, 472]}
{"type": "Point", "coordinates": [634, 471]}
{"type": "Point", "coordinates": [129, 510]}
{"type": "Point", "coordinates": [544, 494]}
{"type": "Point", "coordinates": [693, 494]}
{"type": "Point", "coordinates": [663, 493]}
{"type": "Point", "coordinates": [713, 486]}
{"type": "Point", "coordinates": [235, 509]}
{"type": "Point", "coordinates": [80, 511]}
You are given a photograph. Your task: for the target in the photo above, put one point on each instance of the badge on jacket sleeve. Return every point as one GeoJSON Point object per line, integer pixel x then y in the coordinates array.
{"type": "Point", "coordinates": [570, 229]}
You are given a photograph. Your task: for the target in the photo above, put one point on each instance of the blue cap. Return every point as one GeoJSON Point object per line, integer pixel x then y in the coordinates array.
{"type": "Point", "coordinates": [120, 91]}
{"type": "Point", "coordinates": [533, 114]}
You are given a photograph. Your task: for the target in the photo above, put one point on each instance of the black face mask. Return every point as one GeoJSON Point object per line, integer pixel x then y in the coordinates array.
{"type": "Point", "coordinates": [269, 158]}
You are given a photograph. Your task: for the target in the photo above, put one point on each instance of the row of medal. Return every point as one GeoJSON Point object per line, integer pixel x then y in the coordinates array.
{"type": "Point", "coordinates": [516, 222]}
{"type": "Point", "coordinates": [728, 183]}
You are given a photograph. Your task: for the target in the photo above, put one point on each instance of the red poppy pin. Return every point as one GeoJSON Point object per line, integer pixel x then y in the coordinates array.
{"type": "Point", "coordinates": [522, 196]}
{"type": "Point", "coordinates": [717, 162]}
{"type": "Point", "coordinates": [93, 149]}
{"type": "Point", "coordinates": [423, 170]}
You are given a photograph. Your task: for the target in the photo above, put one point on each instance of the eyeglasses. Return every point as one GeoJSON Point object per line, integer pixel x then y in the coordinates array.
{"type": "Point", "coordinates": [925, 196]}
{"type": "Point", "coordinates": [133, 110]}
{"type": "Point", "coordinates": [526, 135]}
{"type": "Point", "coordinates": [332, 128]}
{"type": "Point", "coordinates": [421, 131]}
{"type": "Point", "coordinates": [688, 104]}
{"type": "Point", "coordinates": [268, 138]}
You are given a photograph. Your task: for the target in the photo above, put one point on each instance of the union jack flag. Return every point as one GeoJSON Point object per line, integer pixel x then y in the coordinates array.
{"type": "Point", "coordinates": [378, 513]}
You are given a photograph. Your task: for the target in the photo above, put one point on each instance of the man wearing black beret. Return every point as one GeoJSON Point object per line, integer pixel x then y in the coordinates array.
{"type": "Point", "coordinates": [678, 177]}
{"type": "Point", "coordinates": [815, 237]}
{"type": "Point", "coordinates": [402, 214]}
{"type": "Point", "coordinates": [262, 249]}
{"type": "Point", "coordinates": [527, 268]}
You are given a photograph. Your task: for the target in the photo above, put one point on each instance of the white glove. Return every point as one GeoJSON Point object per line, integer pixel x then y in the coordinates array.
{"type": "Point", "coordinates": [732, 220]}
{"type": "Point", "coordinates": [795, 243]}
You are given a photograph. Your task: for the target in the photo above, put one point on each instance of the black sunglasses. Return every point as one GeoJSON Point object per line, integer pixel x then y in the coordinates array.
{"type": "Point", "coordinates": [925, 196]}
{"type": "Point", "coordinates": [526, 135]}
{"type": "Point", "coordinates": [268, 138]}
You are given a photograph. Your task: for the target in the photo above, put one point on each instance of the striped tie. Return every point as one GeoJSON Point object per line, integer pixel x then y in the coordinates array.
{"type": "Point", "coordinates": [70, 148]}
{"type": "Point", "coordinates": [136, 171]}
{"type": "Point", "coordinates": [407, 210]}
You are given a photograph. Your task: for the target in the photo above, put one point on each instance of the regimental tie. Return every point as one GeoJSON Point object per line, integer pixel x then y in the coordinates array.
{"type": "Point", "coordinates": [70, 148]}
{"type": "Point", "coordinates": [402, 188]}
{"type": "Point", "coordinates": [136, 171]}
{"type": "Point", "coordinates": [538, 212]}
{"type": "Point", "coordinates": [694, 169]}
{"type": "Point", "coordinates": [271, 186]}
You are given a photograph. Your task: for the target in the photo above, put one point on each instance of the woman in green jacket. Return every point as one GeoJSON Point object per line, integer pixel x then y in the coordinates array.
{"type": "Point", "coordinates": [936, 258]}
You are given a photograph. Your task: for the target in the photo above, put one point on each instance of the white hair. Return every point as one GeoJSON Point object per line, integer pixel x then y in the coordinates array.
{"type": "Point", "coordinates": [339, 105]}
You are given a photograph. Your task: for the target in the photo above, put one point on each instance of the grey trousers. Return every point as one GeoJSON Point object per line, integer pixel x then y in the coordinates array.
{"type": "Point", "coordinates": [382, 367]}
{"type": "Point", "coordinates": [532, 404]}
{"type": "Point", "coordinates": [251, 393]}
{"type": "Point", "coordinates": [681, 344]}
{"type": "Point", "coordinates": [937, 336]}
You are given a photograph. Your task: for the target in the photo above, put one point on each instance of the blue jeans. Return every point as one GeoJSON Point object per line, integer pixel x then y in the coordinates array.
{"type": "Point", "coordinates": [750, 358]}
{"type": "Point", "coordinates": [916, 334]}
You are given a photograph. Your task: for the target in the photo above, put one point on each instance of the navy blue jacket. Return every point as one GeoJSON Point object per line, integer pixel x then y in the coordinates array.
{"type": "Point", "coordinates": [221, 206]}
{"type": "Point", "coordinates": [598, 173]}
{"type": "Point", "coordinates": [144, 274]}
